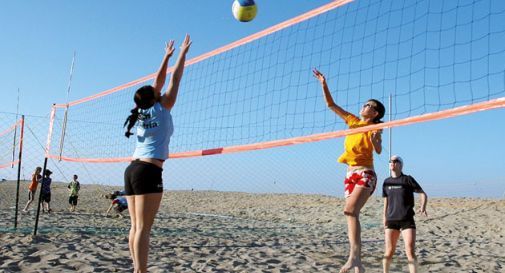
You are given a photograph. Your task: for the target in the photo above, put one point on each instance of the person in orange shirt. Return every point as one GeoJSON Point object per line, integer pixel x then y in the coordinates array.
{"type": "Point", "coordinates": [32, 188]}
{"type": "Point", "coordinates": [361, 179]}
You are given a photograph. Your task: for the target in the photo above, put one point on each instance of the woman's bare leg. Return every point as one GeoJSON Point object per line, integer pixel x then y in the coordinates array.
{"type": "Point", "coordinates": [409, 237]}
{"type": "Point", "coordinates": [131, 209]}
{"type": "Point", "coordinates": [30, 200]}
{"type": "Point", "coordinates": [146, 207]}
{"type": "Point", "coordinates": [353, 205]}
{"type": "Point", "coordinates": [390, 241]}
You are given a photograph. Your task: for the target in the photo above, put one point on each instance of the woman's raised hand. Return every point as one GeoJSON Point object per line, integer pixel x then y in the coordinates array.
{"type": "Point", "coordinates": [169, 48]}
{"type": "Point", "coordinates": [186, 44]}
{"type": "Point", "coordinates": [318, 75]}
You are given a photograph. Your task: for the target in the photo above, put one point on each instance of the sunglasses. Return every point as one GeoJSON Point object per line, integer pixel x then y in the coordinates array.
{"type": "Point", "coordinates": [394, 161]}
{"type": "Point", "coordinates": [368, 105]}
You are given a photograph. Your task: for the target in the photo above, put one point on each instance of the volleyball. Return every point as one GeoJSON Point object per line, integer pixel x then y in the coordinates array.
{"type": "Point", "coordinates": [244, 10]}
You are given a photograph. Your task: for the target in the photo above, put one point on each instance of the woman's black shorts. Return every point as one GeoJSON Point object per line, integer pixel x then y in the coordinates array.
{"type": "Point", "coordinates": [401, 225]}
{"type": "Point", "coordinates": [142, 177]}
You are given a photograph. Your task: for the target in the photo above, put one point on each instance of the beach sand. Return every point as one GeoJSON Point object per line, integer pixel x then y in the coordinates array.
{"type": "Point", "coordinates": [205, 231]}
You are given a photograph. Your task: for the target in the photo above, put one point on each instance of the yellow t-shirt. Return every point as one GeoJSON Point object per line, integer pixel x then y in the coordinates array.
{"type": "Point", "coordinates": [358, 148]}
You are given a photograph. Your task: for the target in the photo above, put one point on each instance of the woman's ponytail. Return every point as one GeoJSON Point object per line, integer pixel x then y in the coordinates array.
{"type": "Point", "coordinates": [144, 98]}
{"type": "Point", "coordinates": [131, 120]}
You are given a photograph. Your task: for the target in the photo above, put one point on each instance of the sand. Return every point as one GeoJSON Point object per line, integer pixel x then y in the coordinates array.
{"type": "Point", "coordinates": [205, 231]}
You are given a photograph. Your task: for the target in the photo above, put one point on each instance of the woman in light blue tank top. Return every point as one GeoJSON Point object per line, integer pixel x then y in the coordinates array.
{"type": "Point", "coordinates": [143, 177]}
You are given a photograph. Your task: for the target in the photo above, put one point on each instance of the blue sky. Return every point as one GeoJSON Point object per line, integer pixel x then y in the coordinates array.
{"type": "Point", "coordinates": [120, 41]}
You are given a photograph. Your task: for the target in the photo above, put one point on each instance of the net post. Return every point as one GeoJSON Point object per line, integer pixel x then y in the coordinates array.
{"type": "Point", "coordinates": [50, 131]}
{"type": "Point", "coordinates": [47, 151]}
{"type": "Point", "coordinates": [20, 155]}
{"type": "Point", "coordinates": [35, 228]}
{"type": "Point", "coordinates": [63, 130]}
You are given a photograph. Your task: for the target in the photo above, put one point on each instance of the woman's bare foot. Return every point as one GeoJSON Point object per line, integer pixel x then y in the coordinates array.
{"type": "Point", "coordinates": [358, 267]}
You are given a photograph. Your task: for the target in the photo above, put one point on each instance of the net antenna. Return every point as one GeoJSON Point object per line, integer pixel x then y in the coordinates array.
{"type": "Point", "coordinates": [64, 126]}
{"type": "Point", "coordinates": [390, 115]}
{"type": "Point", "coordinates": [15, 134]}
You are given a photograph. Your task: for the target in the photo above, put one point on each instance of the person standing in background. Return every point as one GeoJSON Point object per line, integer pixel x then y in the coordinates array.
{"type": "Point", "coordinates": [73, 187]}
{"type": "Point", "coordinates": [398, 192]}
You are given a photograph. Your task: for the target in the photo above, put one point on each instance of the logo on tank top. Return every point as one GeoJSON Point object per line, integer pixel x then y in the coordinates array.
{"type": "Point", "coordinates": [144, 116]}
{"type": "Point", "coordinates": [153, 124]}
{"type": "Point", "coordinates": [147, 125]}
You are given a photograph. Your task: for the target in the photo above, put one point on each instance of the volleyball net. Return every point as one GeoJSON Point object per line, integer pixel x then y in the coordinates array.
{"type": "Point", "coordinates": [436, 59]}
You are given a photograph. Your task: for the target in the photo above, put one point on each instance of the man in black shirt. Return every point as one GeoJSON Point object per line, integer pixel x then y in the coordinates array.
{"type": "Point", "coordinates": [398, 192]}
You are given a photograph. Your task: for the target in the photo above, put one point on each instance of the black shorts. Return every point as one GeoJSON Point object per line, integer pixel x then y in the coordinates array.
{"type": "Point", "coordinates": [142, 177]}
{"type": "Point", "coordinates": [46, 197]}
{"type": "Point", "coordinates": [31, 195]}
{"type": "Point", "coordinates": [401, 225]}
{"type": "Point", "coordinates": [72, 200]}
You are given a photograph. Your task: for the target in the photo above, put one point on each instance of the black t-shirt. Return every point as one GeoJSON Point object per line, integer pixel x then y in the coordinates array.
{"type": "Point", "coordinates": [399, 192]}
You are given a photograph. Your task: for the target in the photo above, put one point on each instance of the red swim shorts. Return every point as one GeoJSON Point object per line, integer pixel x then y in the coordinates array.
{"type": "Point", "coordinates": [365, 178]}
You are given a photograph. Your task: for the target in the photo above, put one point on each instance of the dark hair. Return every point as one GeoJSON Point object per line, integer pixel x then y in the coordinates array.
{"type": "Point", "coordinates": [144, 99]}
{"type": "Point", "coordinates": [113, 195]}
{"type": "Point", "coordinates": [381, 110]}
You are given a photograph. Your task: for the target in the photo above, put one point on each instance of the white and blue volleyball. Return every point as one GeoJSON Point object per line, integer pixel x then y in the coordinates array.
{"type": "Point", "coordinates": [244, 10]}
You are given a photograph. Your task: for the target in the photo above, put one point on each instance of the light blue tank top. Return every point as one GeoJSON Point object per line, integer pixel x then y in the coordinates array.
{"type": "Point", "coordinates": [154, 129]}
